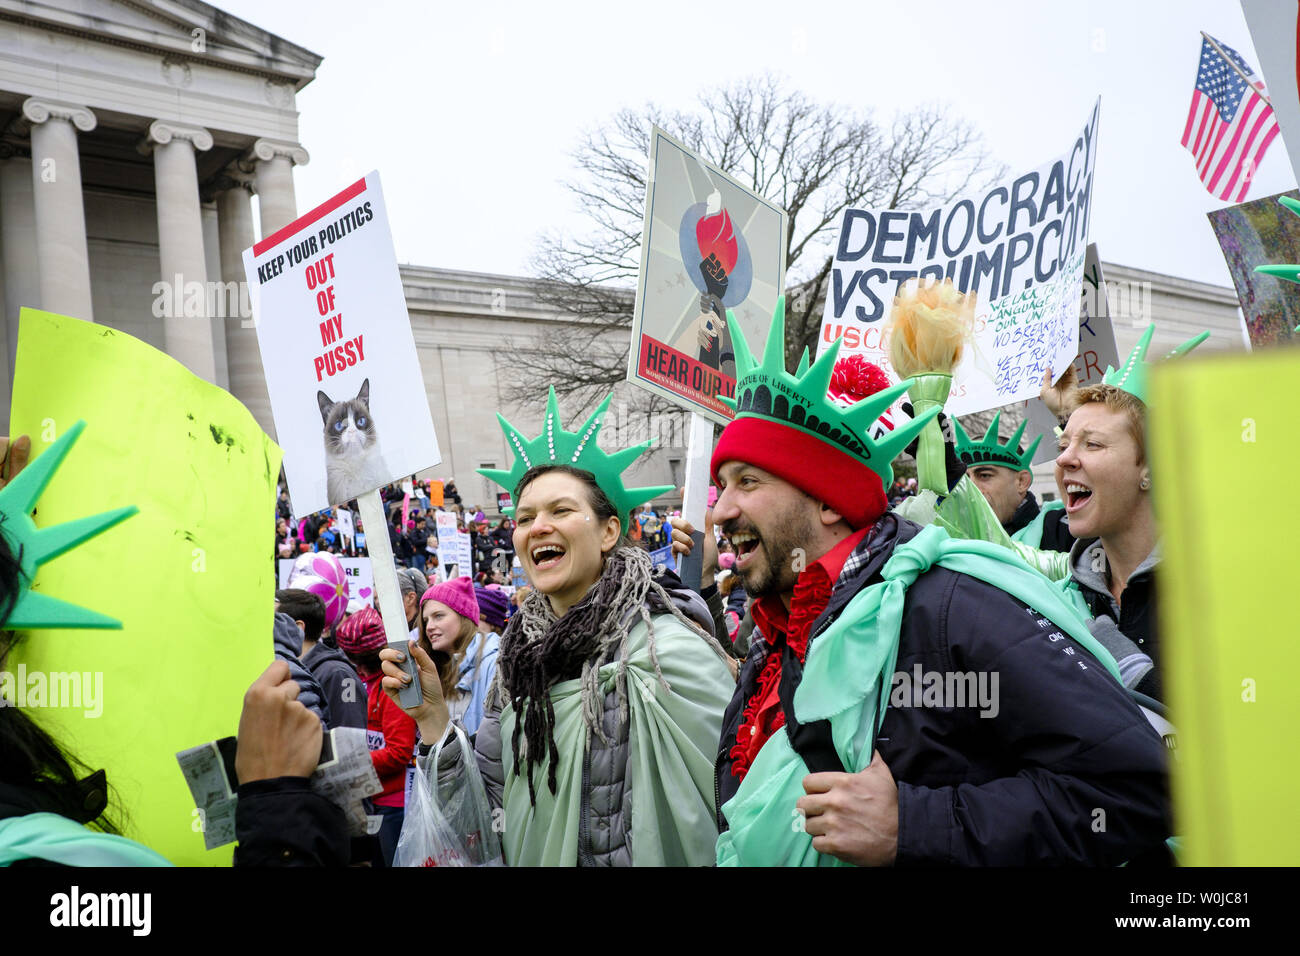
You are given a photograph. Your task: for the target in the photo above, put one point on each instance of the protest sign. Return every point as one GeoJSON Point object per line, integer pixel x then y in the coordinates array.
{"type": "Point", "coordinates": [187, 576]}
{"type": "Point", "coordinates": [1226, 572]}
{"type": "Point", "coordinates": [464, 553]}
{"type": "Point", "coordinates": [448, 536]}
{"type": "Point", "coordinates": [663, 557]}
{"type": "Point", "coordinates": [1097, 352]}
{"type": "Point", "coordinates": [345, 523]}
{"type": "Point", "coordinates": [346, 389]}
{"type": "Point", "coordinates": [1256, 233]}
{"type": "Point", "coordinates": [361, 581]}
{"type": "Point", "coordinates": [1019, 246]}
{"type": "Point", "coordinates": [503, 501]}
{"type": "Point", "coordinates": [708, 245]}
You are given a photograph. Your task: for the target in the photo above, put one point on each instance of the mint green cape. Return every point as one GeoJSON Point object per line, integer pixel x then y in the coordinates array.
{"type": "Point", "coordinates": [673, 740]}
{"type": "Point", "coordinates": [48, 836]}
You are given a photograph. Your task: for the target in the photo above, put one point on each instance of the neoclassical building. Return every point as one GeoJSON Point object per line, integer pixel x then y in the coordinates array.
{"type": "Point", "coordinates": [134, 135]}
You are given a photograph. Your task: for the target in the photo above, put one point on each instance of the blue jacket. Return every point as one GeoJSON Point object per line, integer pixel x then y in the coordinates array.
{"type": "Point", "coordinates": [477, 684]}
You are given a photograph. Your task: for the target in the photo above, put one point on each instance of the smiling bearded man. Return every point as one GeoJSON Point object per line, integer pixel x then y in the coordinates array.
{"type": "Point", "coordinates": [846, 594]}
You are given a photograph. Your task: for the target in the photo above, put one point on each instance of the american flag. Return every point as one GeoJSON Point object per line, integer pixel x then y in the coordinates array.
{"type": "Point", "coordinates": [1230, 123]}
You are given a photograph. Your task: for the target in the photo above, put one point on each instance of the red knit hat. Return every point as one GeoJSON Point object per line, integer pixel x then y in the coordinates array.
{"type": "Point", "coordinates": [825, 471]}
{"type": "Point", "coordinates": [457, 594]}
{"type": "Point", "coordinates": [808, 463]}
{"type": "Point", "coordinates": [362, 633]}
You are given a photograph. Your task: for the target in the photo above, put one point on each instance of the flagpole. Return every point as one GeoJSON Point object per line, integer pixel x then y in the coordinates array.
{"type": "Point", "coordinates": [1233, 63]}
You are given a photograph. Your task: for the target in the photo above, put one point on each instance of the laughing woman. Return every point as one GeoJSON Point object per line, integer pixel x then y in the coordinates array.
{"type": "Point", "coordinates": [598, 740]}
{"type": "Point", "coordinates": [1104, 479]}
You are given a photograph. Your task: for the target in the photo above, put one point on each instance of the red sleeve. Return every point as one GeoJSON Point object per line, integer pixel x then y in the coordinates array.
{"type": "Point", "coordinates": [399, 739]}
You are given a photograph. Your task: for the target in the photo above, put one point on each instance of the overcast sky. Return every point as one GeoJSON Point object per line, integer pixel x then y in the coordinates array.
{"type": "Point", "coordinates": [471, 111]}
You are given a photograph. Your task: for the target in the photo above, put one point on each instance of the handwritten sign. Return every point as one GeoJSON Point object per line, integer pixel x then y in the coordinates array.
{"type": "Point", "coordinates": [1019, 246]}
{"type": "Point", "coordinates": [1097, 352]}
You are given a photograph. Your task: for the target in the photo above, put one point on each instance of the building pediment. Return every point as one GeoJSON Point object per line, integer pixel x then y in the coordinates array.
{"type": "Point", "coordinates": [185, 29]}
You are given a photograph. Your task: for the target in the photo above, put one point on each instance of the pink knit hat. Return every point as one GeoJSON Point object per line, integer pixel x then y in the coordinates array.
{"type": "Point", "coordinates": [362, 633]}
{"type": "Point", "coordinates": [457, 594]}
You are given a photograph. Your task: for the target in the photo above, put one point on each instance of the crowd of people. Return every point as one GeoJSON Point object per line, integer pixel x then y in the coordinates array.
{"type": "Point", "coordinates": [960, 679]}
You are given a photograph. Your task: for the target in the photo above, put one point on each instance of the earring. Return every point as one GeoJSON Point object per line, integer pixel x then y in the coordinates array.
{"type": "Point", "coordinates": [1144, 484]}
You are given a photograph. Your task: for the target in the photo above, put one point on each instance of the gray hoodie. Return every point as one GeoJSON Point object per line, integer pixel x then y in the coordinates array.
{"type": "Point", "coordinates": [1088, 568]}
{"type": "Point", "coordinates": [288, 645]}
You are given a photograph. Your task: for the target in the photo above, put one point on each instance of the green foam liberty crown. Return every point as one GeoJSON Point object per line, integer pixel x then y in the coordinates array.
{"type": "Point", "coordinates": [577, 449]}
{"type": "Point", "coordinates": [765, 390]}
{"type": "Point", "coordinates": [989, 451]}
{"type": "Point", "coordinates": [1132, 375]}
{"type": "Point", "coordinates": [35, 546]}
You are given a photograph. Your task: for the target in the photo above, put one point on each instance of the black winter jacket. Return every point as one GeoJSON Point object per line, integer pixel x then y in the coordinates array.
{"type": "Point", "coordinates": [1064, 769]}
{"type": "Point", "coordinates": [341, 684]}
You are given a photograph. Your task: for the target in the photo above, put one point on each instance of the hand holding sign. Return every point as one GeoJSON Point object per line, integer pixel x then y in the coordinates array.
{"type": "Point", "coordinates": [431, 713]}
{"type": "Point", "coordinates": [1054, 396]}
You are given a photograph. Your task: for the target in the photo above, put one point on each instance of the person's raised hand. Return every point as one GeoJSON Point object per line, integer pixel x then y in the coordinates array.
{"type": "Point", "coordinates": [431, 715]}
{"type": "Point", "coordinates": [1054, 396]}
{"type": "Point", "coordinates": [13, 457]}
{"type": "Point", "coordinates": [853, 816]}
{"type": "Point", "coordinates": [683, 544]}
{"type": "Point", "coordinates": [278, 736]}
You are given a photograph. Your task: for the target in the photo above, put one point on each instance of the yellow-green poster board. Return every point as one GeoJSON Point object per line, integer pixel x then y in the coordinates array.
{"type": "Point", "coordinates": [1225, 450]}
{"type": "Point", "coordinates": [190, 576]}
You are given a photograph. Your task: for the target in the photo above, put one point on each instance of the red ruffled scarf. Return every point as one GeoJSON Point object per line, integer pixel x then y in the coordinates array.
{"type": "Point", "coordinates": [763, 715]}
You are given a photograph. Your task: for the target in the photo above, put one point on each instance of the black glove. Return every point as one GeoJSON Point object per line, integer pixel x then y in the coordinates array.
{"type": "Point", "coordinates": [953, 466]}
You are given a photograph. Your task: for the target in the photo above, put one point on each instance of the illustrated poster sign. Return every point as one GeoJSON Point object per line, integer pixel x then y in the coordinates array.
{"type": "Point", "coordinates": [708, 245]}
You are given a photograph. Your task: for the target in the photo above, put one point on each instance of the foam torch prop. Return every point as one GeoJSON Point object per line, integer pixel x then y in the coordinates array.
{"type": "Point", "coordinates": [1291, 273]}
{"type": "Point", "coordinates": [927, 329]}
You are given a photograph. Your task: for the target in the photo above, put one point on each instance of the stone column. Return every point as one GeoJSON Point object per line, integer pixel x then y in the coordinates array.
{"type": "Point", "coordinates": [22, 285]}
{"type": "Point", "coordinates": [271, 163]}
{"type": "Point", "coordinates": [244, 360]}
{"type": "Point", "coordinates": [180, 239]}
{"type": "Point", "coordinates": [60, 212]}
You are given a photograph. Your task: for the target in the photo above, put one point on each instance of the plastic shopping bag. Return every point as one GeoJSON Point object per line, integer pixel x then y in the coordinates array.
{"type": "Point", "coordinates": [455, 827]}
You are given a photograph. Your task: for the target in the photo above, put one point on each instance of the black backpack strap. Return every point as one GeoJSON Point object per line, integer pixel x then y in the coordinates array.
{"type": "Point", "coordinates": [811, 741]}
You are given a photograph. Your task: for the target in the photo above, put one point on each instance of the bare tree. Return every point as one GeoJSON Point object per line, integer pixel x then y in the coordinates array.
{"type": "Point", "coordinates": [812, 159]}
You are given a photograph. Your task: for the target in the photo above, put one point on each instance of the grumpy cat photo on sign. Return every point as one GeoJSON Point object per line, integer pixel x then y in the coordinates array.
{"type": "Point", "coordinates": [352, 461]}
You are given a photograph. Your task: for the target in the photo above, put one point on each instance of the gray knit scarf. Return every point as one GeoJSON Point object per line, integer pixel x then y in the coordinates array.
{"type": "Point", "coordinates": [539, 650]}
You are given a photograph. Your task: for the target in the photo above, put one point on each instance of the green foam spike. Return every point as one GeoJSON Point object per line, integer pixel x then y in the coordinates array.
{"type": "Point", "coordinates": [989, 450]}
{"type": "Point", "coordinates": [1132, 375]}
{"type": "Point", "coordinates": [36, 546]}
{"type": "Point", "coordinates": [577, 449]}
{"type": "Point", "coordinates": [766, 390]}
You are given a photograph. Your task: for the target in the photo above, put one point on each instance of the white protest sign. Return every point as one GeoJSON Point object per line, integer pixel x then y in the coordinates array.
{"type": "Point", "coordinates": [1097, 352]}
{"type": "Point", "coordinates": [361, 581]}
{"type": "Point", "coordinates": [448, 539]}
{"type": "Point", "coordinates": [1018, 245]}
{"type": "Point", "coordinates": [345, 522]}
{"type": "Point", "coordinates": [346, 389]}
{"type": "Point", "coordinates": [464, 553]}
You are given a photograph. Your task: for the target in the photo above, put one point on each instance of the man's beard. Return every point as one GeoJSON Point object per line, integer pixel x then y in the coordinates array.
{"type": "Point", "coordinates": [775, 574]}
